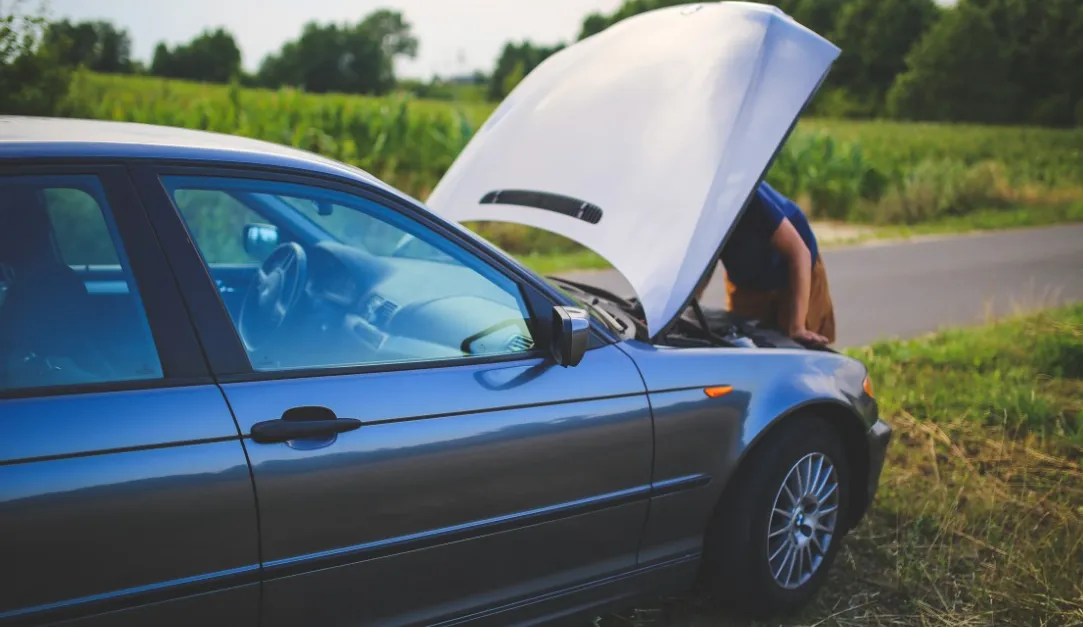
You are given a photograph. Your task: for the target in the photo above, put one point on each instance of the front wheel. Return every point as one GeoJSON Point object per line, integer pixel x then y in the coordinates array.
{"type": "Point", "coordinates": [776, 533]}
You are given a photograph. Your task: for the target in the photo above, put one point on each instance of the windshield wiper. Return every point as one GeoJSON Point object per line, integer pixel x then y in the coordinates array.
{"type": "Point", "coordinates": [614, 323]}
{"type": "Point", "coordinates": [582, 296]}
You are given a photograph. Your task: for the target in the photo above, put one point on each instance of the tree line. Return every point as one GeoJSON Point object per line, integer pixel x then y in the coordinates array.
{"type": "Point", "coordinates": [982, 61]}
{"type": "Point", "coordinates": [348, 58]}
{"type": "Point", "coordinates": [985, 61]}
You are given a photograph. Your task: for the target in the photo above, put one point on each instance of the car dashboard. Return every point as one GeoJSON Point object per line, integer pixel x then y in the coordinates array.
{"type": "Point", "coordinates": [360, 308]}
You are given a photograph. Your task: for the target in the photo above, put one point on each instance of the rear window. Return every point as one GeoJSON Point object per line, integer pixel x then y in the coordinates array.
{"type": "Point", "coordinates": [82, 236]}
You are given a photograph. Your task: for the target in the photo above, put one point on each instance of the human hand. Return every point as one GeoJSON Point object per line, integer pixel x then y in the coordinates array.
{"type": "Point", "coordinates": [804, 335]}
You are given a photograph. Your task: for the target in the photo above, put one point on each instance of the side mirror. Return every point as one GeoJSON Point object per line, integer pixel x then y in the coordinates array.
{"type": "Point", "coordinates": [260, 239]}
{"type": "Point", "coordinates": [571, 335]}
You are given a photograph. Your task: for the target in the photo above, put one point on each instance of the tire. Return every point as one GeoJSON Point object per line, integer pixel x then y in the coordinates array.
{"type": "Point", "coordinates": [737, 562]}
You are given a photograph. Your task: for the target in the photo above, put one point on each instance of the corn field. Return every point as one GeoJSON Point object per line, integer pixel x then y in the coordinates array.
{"type": "Point", "coordinates": [870, 172]}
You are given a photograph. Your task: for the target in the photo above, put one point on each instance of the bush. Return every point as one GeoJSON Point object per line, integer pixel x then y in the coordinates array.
{"type": "Point", "coordinates": [33, 79]}
{"type": "Point", "coordinates": [939, 188]}
{"type": "Point", "coordinates": [832, 176]}
{"type": "Point", "coordinates": [839, 102]}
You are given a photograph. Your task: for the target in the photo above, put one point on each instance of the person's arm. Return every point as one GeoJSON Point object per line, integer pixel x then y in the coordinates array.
{"type": "Point", "coordinates": [788, 241]}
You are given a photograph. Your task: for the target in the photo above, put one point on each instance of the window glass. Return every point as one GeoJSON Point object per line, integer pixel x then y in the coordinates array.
{"type": "Point", "coordinates": [364, 231]}
{"type": "Point", "coordinates": [70, 312]}
{"type": "Point", "coordinates": [217, 220]}
{"type": "Point", "coordinates": [81, 232]}
{"type": "Point", "coordinates": [346, 281]}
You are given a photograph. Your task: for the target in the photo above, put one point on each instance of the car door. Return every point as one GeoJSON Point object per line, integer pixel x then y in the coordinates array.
{"type": "Point", "coordinates": [125, 495]}
{"type": "Point", "coordinates": [469, 471]}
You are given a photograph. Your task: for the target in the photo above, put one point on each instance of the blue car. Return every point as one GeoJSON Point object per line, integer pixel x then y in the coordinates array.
{"type": "Point", "coordinates": [241, 384]}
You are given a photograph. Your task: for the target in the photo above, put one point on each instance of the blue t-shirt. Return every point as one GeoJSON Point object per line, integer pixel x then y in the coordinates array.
{"type": "Point", "coordinates": [750, 260]}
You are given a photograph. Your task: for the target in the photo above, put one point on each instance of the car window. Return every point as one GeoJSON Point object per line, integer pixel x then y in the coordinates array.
{"type": "Point", "coordinates": [217, 220]}
{"type": "Point", "coordinates": [79, 225]}
{"type": "Point", "coordinates": [363, 284]}
{"type": "Point", "coordinates": [364, 231]}
{"type": "Point", "coordinates": [70, 311]}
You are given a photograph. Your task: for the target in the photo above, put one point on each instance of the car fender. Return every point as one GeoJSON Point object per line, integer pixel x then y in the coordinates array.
{"type": "Point", "coordinates": [701, 441]}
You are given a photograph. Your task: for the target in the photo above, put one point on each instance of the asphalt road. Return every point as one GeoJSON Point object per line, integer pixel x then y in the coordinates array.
{"type": "Point", "coordinates": [906, 289]}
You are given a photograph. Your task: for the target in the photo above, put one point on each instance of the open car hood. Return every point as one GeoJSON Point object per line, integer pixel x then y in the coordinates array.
{"type": "Point", "coordinates": [645, 141]}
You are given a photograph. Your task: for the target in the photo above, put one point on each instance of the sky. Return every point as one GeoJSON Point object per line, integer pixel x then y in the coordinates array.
{"type": "Point", "coordinates": [456, 36]}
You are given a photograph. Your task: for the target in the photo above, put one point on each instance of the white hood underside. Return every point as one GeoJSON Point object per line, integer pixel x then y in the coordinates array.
{"type": "Point", "coordinates": [664, 122]}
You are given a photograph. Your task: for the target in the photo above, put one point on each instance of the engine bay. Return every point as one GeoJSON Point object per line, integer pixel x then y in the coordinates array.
{"type": "Point", "coordinates": [697, 327]}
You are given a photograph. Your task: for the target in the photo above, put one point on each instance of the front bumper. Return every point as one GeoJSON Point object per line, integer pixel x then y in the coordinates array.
{"type": "Point", "coordinates": [879, 436]}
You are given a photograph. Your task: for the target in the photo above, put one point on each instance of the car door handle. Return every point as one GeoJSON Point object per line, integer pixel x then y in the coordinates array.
{"type": "Point", "coordinates": [302, 422]}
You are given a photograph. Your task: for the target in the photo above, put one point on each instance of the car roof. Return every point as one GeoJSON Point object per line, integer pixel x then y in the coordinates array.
{"type": "Point", "coordinates": [41, 138]}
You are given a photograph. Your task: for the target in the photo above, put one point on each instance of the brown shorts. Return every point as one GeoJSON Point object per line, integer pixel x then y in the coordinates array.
{"type": "Point", "coordinates": [772, 308]}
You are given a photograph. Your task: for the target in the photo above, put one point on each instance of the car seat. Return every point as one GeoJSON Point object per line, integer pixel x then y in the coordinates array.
{"type": "Point", "coordinates": [46, 337]}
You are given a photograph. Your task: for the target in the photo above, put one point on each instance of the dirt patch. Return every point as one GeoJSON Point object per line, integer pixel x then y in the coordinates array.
{"type": "Point", "coordinates": [840, 233]}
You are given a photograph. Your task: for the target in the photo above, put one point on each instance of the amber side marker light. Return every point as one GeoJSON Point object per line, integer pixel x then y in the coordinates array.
{"type": "Point", "coordinates": [867, 384]}
{"type": "Point", "coordinates": [718, 390]}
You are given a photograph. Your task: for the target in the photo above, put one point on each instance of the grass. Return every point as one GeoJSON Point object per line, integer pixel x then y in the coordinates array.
{"type": "Point", "coordinates": [1029, 154]}
{"type": "Point", "coordinates": [979, 517]}
{"type": "Point", "coordinates": [562, 261]}
{"type": "Point", "coordinates": [989, 220]}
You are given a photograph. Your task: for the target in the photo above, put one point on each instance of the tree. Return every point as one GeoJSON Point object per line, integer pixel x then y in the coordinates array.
{"type": "Point", "coordinates": [98, 46]}
{"type": "Point", "coordinates": [1045, 43]}
{"type": "Point", "coordinates": [875, 36]}
{"type": "Point", "coordinates": [392, 31]}
{"type": "Point", "coordinates": [343, 58]}
{"type": "Point", "coordinates": [33, 77]}
{"type": "Point", "coordinates": [212, 56]}
{"type": "Point", "coordinates": [597, 22]}
{"type": "Point", "coordinates": [960, 71]}
{"type": "Point", "coordinates": [1005, 61]}
{"type": "Point", "coordinates": [819, 16]}
{"type": "Point", "coordinates": [592, 25]}
{"type": "Point", "coordinates": [515, 62]}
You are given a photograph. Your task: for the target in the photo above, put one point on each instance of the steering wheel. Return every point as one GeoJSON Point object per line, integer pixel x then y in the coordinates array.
{"type": "Point", "coordinates": [274, 293]}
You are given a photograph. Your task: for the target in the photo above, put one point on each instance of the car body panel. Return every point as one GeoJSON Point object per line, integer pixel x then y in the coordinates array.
{"type": "Point", "coordinates": [453, 471]}
{"type": "Point", "coordinates": [121, 499]}
{"type": "Point", "coordinates": [235, 606]}
{"type": "Point", "coordinates": [661, 124]}
{"type": "Point", "coordinates": [698, 435]}
{"type": "Point", "coordinates": [580, 605]}
{"type": "Point", "coordinates": [84, 424]}
{"type": "Point", "coordinates": [29, 137]}
{"type": "Point", "coordinates": [459, 579]}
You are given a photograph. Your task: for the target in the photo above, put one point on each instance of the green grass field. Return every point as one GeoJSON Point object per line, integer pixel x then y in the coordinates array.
{"type": "Point", "coordinates": [979, 517]}
{"type": "Point", "coordinates": [901, 178]}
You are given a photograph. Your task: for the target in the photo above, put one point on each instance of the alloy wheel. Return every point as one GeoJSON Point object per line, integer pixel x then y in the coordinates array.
{"type": "Point", "coordinates": [803, 521]}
